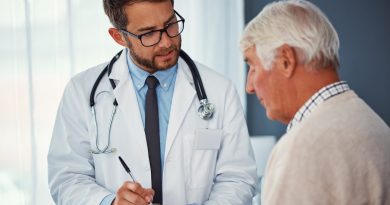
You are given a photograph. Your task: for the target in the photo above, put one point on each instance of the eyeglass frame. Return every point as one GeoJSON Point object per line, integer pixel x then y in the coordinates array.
{"type": "Point", "coordinates": [161, 31]}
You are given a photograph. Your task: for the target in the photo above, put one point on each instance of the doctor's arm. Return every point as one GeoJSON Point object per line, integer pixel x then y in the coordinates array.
{"type": "Point", "coordinates": [70, 165]}
{"type": "Point", "coordinates": [236, 177]}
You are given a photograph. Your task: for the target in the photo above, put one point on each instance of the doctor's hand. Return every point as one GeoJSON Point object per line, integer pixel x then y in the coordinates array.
{"type": "Point", "coordinates": [133, 193]}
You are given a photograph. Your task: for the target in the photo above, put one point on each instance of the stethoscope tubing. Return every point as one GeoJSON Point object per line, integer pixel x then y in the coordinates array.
{"type": "Point", "coordinates": [195, 75]}
{"type": "Point", "coordinates": [200, 91]}
{"type": "Point", "coordinates": [205, 110]}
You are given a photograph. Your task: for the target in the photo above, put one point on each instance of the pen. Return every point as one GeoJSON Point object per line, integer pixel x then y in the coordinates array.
{"type": "Point", "coordinates": [128, 171]}
{"type": "Point", "coordinates": [126, 168]}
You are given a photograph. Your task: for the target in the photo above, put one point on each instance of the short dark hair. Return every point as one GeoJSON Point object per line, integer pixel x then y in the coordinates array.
{"type": "Point", "coordinates": [115, 10]}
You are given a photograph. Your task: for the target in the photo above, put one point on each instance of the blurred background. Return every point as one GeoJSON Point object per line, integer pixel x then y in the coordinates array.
{"type": "Point", "coordinates": [44, 43]}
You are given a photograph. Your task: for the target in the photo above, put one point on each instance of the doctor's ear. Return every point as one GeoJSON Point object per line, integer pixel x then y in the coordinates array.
{"type": "Point", "coordinates": [286, 60]}
{"type": "Point", "coordinates": [117, 36]}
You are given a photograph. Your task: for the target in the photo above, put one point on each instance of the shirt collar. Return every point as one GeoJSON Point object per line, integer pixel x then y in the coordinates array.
{"type": "Point", "coordinates": [164, 77]}
{"type": "Point", "coordinates": [322, 95]}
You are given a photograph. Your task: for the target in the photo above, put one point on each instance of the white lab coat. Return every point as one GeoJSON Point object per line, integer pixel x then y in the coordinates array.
{"type": "Point", "coordinates": [206, 162]}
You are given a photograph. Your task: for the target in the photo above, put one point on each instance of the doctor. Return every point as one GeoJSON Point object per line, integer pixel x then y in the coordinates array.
{"type": "Point", "coordinates": [175, 155]}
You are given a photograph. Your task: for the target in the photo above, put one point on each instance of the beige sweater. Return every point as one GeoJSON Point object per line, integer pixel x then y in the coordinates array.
{"type": "Point", "coordinates": [340, 154]}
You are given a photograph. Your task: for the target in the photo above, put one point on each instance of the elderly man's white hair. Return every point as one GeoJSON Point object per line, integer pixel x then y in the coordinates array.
{"type": "Point", "coordinates": [297, 23]}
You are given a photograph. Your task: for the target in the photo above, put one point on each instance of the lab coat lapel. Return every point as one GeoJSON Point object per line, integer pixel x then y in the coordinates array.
{"type": "Point", "coordinates": [128, 108]}
{"type": "Point", "coordinates": [183, 97]}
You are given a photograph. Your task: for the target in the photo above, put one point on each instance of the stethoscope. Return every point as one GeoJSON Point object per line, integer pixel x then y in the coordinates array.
{"type": "Point", "coordinates": [205, 110]}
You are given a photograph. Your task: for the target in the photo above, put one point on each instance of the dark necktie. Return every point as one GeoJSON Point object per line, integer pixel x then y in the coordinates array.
{"type": "Point", "coordinates": [152, 133]}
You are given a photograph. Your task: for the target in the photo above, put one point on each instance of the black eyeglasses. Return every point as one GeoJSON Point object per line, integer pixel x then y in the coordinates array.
{"type": "Point", "coordinates": [153, 37]}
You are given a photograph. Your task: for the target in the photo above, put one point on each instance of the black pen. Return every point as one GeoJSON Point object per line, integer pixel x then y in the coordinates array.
{"type": "Point", "coordinates": [128, 171]}
{"type": "Point", "coordinates": [126, 168]}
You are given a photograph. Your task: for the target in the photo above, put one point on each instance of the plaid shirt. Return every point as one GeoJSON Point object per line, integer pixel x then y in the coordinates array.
{"type": "Point", "coordinates": [322, 95]}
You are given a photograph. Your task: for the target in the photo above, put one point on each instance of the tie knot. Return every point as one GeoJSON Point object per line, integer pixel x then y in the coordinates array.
{"type": "Point", "coordinates": [151, 82]}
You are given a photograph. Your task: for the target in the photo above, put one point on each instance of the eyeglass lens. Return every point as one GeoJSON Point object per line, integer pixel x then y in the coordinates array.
{"type": "Point", "coordinates": [153, 37]}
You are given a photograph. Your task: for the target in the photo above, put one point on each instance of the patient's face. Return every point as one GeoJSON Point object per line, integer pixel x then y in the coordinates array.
{"type": "Point", "coordinates": [265, 84]}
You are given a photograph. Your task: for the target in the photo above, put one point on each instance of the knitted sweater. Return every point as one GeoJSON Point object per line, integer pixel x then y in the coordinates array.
{"type": "Point", "coordinates": [340, 154]}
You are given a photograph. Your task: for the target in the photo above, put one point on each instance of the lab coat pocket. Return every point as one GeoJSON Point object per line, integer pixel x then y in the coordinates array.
{"type": "Point", "coordinates": [105, 170]}
{"type": "Point", "coordinates": [207, 139]}
{"type": "Point", "coordinates": [203, 161]}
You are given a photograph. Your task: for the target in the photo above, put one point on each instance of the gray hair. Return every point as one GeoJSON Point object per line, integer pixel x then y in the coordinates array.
{"type": "Point", "coordinates": [297, 23]}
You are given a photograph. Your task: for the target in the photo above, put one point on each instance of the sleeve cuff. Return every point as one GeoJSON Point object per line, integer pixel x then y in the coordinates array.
{"type": "Point", "coordinates": [108, 199]}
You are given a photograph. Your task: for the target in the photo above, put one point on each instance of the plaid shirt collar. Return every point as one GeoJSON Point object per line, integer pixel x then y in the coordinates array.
{"type": "Point", "coordinates": [322, 95]}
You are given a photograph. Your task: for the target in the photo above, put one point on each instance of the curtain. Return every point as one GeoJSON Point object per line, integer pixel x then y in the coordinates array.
{"type": "Point", "coordinates": [211, 36]}
{"type": "Point", "coordinates": [44, 43]}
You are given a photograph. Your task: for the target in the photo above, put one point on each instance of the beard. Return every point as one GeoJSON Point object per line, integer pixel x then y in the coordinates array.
{"type": "Point", "coordinates": [151, 64]}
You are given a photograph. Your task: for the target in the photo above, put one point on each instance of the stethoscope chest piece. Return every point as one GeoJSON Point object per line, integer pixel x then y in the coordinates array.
{"type": "Point", "coordinates": [206, 109]}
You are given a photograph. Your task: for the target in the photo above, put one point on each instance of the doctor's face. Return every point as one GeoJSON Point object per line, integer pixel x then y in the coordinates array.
{"type": "Point", "coordinates": [144, 17]}
{"type": "Point", "coordinates": [266, 84]}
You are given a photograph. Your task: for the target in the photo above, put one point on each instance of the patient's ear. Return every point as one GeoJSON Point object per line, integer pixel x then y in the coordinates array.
{"type": "Point", "coordinates": [117, 36]}
{"type": "Point", "coordinates": [286, 60]}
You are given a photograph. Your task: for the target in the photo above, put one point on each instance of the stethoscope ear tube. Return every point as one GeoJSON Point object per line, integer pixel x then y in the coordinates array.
{"type": "Point", "coordinates": [95, 85]}
{"type": "Point", "coordinates": [200, 91]}
{"type": "Point", "coordinates": [113, 60]}
{"type": "Point", "coordinates": [206, 109]}
{"type": "Point", "coordinates": [195, 76]}
{"type": "Point", "coordinates": [110, 65]}
{"type": "Point", "coordinates": [107, 69]}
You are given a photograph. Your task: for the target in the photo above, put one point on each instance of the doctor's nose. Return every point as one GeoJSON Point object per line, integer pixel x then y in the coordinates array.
{"type": "Point", "coordinates": [165, 41]}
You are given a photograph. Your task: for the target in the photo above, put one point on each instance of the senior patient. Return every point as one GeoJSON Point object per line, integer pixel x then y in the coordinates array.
{"type": "Point", "coordinates": [336, 149]}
